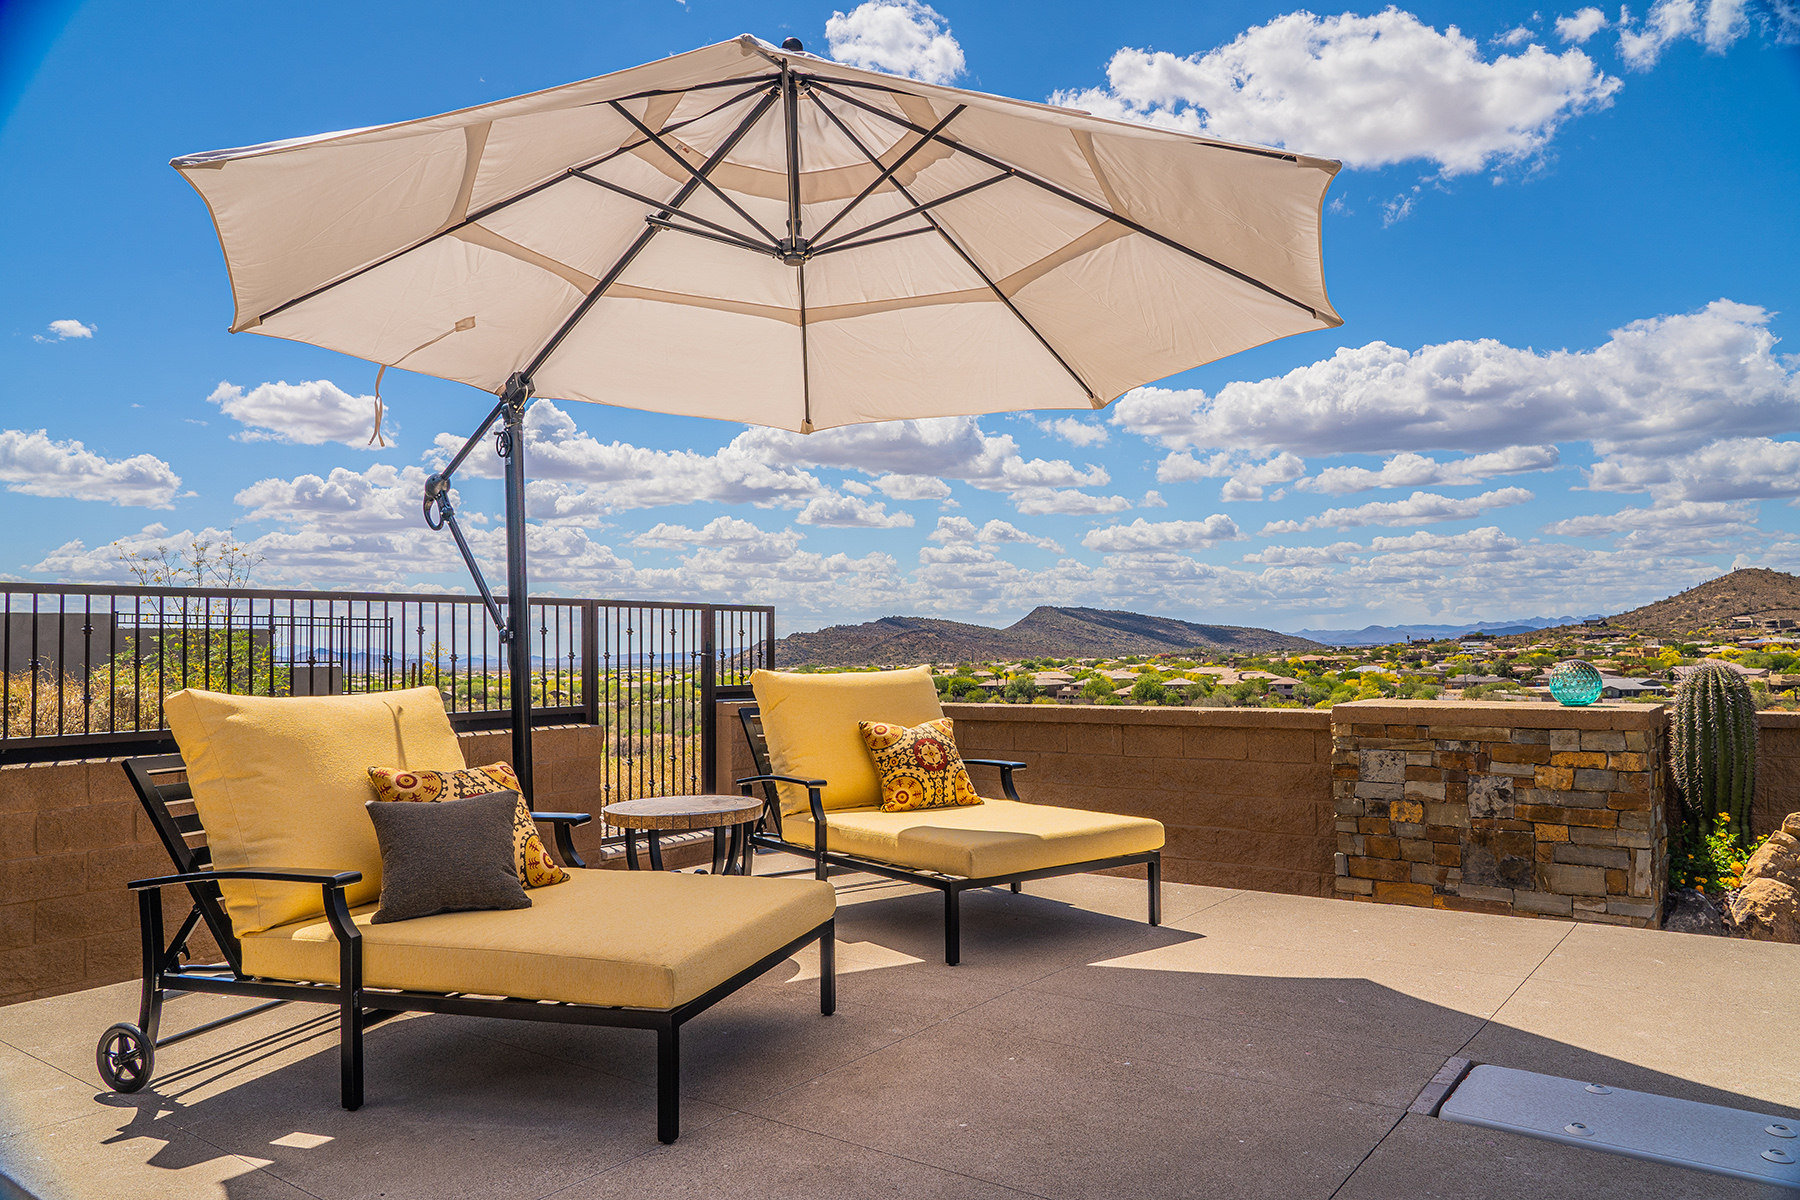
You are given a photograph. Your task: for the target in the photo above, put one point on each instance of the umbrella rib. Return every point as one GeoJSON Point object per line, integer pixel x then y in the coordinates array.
{"type": "Point", "coordinates": [689, 168]}
{"type": "Point", "coordinates": [736, 237]}
{"type": "Point", "coordinates": [964, 255]}
{"type": "Point", "coordinates": [643, 239]}
{"type": "Point", "coordinates": [841, 244]}
{"type": "Point", "coordinates": [887, 172]}
{"type": "Point", "coordinates": [1233, 147]}
{"type": "Point", "coordinates": [728, 239]}
{"type": "Point", "coordinates": [1082, 201]}
{"type": "Point", "coordinates": [498, 205]}
{"type": "Point", "coordinates": [843, 239]}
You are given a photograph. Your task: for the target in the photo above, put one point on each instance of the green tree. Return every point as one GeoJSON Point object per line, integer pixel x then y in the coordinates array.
{"type": "Point", "coordinates": [1149, 690]}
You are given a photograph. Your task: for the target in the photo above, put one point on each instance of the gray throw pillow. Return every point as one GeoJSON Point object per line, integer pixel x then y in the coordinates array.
{"type": "Point", "coordinates": [446, 856]}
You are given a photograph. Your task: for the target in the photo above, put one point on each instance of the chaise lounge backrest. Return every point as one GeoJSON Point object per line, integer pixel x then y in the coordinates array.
{"type": "Point", "coordinates": [280, 783]}
{"type": "Point", "coordinates": [810, 723]}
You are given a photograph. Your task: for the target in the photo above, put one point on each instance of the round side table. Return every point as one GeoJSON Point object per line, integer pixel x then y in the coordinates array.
{"type": "Point", "coordinates": [731, 818]}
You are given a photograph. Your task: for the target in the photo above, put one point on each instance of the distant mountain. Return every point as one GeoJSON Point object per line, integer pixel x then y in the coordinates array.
{"type": "Point", "coordinates": [1045, 632]}
{"type": "Point", "coordinates": [1382, 635]}
{"type": "Point", "coordinates": [1750, 592]}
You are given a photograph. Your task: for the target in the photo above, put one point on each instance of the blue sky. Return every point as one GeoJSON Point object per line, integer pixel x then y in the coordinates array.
{"type": "Point", "coordinates": [1564, 246]}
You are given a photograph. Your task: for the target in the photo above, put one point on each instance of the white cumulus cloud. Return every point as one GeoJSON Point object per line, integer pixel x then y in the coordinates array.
{"type": "Point", "coordinates": [851, 512]}
{"type": "Point", "coordinates": [1583, 25]}
{"type": "Point", "coordinates": [1420, 507]}
{"type": "Point", "coordinates": [1657, 385]}
{"type": "Point", "coordinates": [310, 413]}
{"type": "Point", "coordinates": [66, 329]}
{"type": "Point", "coordinates": [1042, 501]}
{"type": "Point", "coordinates": [1371, 91]}
{"type": "Point", "coordinates": [1728, 469]}
{"type": "Point", "coordinates": [1074, 430]}
{"type": "Point", "coordinates": [1143, 536]}
{"type": "Point", "coordinates": [954, 530]}
{"type": "Point", "coordinates": [1302, 556]}
{"type": "Point", "coordinates": [901, 37]}
{"type": "Point", "coordinates": [1715, 24]}
{"type": "Point", "coordinates": [908, 487]}
{"type": "Point", "coordinates": [1688, 514]}
{"type": "Point", "coordinates": [1417, 470]}
{"type": "Point", "coordinates": [34, 464]}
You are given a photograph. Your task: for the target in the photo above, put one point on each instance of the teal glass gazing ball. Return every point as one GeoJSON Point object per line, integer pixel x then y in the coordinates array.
{"type": "Point", "coordinates": [1575, 683]}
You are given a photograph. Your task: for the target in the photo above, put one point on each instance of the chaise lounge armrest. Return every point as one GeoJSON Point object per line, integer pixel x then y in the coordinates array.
{"type": "Point", "coordinates": [328, 879]}
{"type": "Point", "coordinates": [331, 888]}
{"type": "Point", "coordinates": [817, 805]}
{"type": "Point", "coordinates": [561, 823]}
{"type": "Point", "coordinates": [1007, 767]}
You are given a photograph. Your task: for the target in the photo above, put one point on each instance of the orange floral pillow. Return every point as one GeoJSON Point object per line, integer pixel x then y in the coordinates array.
{"type": "Point", "coordinates": [919, 767]}
{"type": "Point", "coordinates": [535, 866]}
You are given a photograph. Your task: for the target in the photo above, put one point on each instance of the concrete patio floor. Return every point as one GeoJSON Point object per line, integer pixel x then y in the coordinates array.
{"type": "Point", "coordinates": [1256, 1045]}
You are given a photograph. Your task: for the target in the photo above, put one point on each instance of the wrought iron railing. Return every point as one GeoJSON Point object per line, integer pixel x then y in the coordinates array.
{"type": "Point", "coordinates": [86, 670]}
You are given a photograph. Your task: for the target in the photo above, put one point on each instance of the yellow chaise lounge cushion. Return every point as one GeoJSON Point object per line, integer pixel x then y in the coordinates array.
{"type": "Point", "coordinates": [999, 837]}
{"type": "Point", "coordinates": [280, 782]}
{"type": "Point", "coordinates": [643, 939]}
{"type": "Point", "coordinates": [811, 723]}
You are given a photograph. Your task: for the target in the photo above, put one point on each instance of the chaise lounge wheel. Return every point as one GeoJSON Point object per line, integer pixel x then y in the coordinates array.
{"type": "Point", "coordinates": [125, 1057]}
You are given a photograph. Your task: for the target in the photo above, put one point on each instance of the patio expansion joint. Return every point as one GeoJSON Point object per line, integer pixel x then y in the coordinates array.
{"type": "Point", "coordinates": [1498, 1008]}
{"type": "Point", "coordinates": [1460, 1052]}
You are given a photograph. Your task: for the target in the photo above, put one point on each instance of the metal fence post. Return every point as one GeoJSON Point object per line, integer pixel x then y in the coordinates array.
{"type": "Point", "coordinates": [590, 661]}
{"type": "Point", "coordinates": [709, 689]}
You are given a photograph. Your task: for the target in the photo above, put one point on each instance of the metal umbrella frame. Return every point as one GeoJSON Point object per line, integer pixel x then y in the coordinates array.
{"type": "Point", "coordinates": [890, 206]}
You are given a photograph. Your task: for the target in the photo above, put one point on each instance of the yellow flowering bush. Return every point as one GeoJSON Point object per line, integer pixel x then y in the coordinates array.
{"type": "Point", "coordinates": [1714, 862]}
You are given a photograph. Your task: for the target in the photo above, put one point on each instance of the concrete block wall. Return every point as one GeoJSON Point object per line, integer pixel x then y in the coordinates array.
{"type": "Point", "coordinates": [1511, 808]}
{"type": "Point", "coordinates": [1777, 770]}
{"type": "Point", "coordinates": [1244, 793]}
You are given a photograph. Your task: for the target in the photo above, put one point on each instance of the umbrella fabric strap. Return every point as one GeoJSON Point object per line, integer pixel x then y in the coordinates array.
{"type": "Point", "coordinates": [376, 437]}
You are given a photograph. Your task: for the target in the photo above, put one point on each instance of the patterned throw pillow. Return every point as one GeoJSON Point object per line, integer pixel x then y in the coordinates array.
{"type": "Point", "coordinates": [535, 866]}
{"type": "Point", "coordinates": [920, 767]}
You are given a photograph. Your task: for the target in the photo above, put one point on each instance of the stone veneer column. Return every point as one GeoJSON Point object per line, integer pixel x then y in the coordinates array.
{"type": "Point", "coordinates": [1528, 808]}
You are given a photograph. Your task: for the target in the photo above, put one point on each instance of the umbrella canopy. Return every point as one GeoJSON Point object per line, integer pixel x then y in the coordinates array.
{"type": "Point", "coordinates": [755, 234]}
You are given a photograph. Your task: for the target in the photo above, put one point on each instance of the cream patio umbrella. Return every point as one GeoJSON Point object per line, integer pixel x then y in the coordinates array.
{"type": "Point", "coordinates": [752, 233]}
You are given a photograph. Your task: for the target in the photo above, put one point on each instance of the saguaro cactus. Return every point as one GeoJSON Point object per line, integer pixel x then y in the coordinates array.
{"type": "Point", "coordinates": [1714, 748]}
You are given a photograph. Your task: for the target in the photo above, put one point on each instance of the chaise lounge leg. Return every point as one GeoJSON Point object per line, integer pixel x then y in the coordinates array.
{"type": "Point", "coordinates": [350, 1017]}
{"type": "Point", "coordinates": [952, 926]}
{"type": "Point", "coordinates": [150, 930]}
{"type": "Point", "coordinates": [1154, 871]}
{"type": "Point", "coordinates": [668, 1083]}
{"type": "Point", "coordinates": [828, 969]}
{"type": "Point", "coordinates": [1017, 887]}
{"type": "Point", "coordinates": [350, 1048]}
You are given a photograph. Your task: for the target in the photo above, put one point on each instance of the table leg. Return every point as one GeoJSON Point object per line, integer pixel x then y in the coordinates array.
{"type": "Point", "coordinates": [631, 862]}
{"type": "Point", "coordinates": [747, 858]}
{"type": "Point", "coordinates": [655, 850]}
{"type": "Point", "coordinates": [721, 862]}
{"type": "Point", "coordinates": [734, 857]}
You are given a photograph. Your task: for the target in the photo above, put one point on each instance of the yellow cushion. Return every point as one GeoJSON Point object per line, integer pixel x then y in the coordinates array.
{"type": "Point", "coordinates": [811, 723]}
{"type": "Point", "coordinates": [644, 939]}
{"type": "Point", "coordinates": [999, 838]}
{"type": "Point", "coordinates": [533, 863]}
{"type": "Point", "coordinates": [280, 781]}
{"type": "Point", "coordinates": [920, 767]}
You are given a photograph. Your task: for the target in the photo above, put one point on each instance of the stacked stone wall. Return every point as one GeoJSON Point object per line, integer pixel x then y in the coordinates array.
{"type": "Point", "coordinates": [1532, 809]}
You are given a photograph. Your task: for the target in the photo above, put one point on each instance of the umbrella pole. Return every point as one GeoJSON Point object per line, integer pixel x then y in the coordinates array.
{"type": "Point", "coordinates": [518, 615]}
